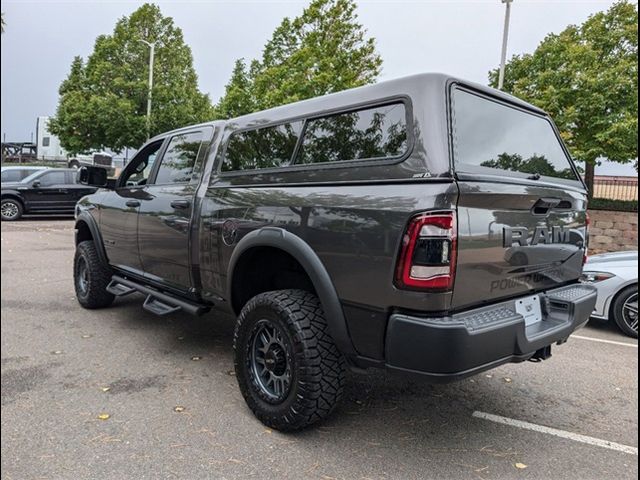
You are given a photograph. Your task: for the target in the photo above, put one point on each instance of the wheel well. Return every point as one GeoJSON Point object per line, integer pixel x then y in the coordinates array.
{"type": "Point", "coordinates": [12, 197]}
{"type": "Point", "coordinates": [264, 269]}
{"type": "Point", "coordinates": [83, 232]}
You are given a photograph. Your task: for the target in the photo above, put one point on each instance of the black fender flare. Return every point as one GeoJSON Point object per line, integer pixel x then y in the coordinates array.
{"type": "Point", "coordinates": [313, 266]}
{"type": "Point", "coordinates": [85, 217]}
{"type": "Point", "coordinates": [15, 195]}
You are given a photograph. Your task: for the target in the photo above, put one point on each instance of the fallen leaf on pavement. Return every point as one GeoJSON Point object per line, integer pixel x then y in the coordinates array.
{"type": "Point", "coordinates": [104, 416]}
{"type": "Point", "coordinates": [178, 409]}
{"type": "Point", "coordinates": [521, 466]}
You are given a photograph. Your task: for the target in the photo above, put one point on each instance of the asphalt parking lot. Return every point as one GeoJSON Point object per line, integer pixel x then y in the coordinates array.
{"type": "Point", "coordinates": [174, 409]}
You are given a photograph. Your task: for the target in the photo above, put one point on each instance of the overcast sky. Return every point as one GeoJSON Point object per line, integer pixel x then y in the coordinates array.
{"type": "Point", "coordinates": [458, 37]}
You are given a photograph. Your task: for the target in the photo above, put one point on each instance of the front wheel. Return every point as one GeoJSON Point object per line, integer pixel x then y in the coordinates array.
{"type": "Point", "coordinates": [289, 370]}
{"type": "Point", "coordinates": [625, 311]}
{"type": "Point", "coordinates": [11, 209]}
{"type": "Point", "coordinates": [91, 277]}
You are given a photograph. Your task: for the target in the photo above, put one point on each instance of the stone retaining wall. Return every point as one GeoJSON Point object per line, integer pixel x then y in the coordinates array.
{"type": "Point", "coordinates": [613, 231]}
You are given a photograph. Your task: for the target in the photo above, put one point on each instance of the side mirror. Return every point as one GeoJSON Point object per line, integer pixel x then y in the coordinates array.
{"type": "Point", "coordinates": [36, 184]}
{"type": "Point", "coordinates": [93, 176]}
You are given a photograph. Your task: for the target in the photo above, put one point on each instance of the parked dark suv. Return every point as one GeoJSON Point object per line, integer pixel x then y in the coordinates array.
{"type": "Point", "coordinates": [387, 226]}
{"type": "Point", "coordinates": [51, 190]}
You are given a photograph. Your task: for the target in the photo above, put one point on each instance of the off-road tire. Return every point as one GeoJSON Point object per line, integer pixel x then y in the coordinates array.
{"type": "Point", "coordinates": [15, 206]}
{"type": "Point", "coordinates": [98, 275]}
{"type": "Point", "coordinates": [317, 367]}
{"type": "Point", "coordinates": [618, 307]}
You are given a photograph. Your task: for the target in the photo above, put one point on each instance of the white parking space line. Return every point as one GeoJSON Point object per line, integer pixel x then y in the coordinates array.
{"type": "Point", "coordinates": [602, 340]}
{"type": "Point", "coordinates": [558, 433]}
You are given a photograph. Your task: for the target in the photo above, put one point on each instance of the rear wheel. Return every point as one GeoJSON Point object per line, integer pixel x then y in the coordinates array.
{"type": "Point", "coordinates": [289, 371]}
{"type": "Point", "coordinates": [625, 311]}
{"type": "Point", "coordinates": [91, 277]}
{"type": "Point", "coordinates": [11, 209]}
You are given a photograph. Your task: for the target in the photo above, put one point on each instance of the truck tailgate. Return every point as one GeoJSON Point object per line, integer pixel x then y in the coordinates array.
{"type": "Point", "coordinates": [516, 238]}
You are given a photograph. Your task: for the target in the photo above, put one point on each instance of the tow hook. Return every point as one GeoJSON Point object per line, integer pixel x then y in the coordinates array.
{"type": "Point", "coordinates": [542, 354]}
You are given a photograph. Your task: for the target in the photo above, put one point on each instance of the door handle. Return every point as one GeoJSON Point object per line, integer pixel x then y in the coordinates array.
{"type": "Point", "coordinates": [181, 204]}
{"type": "Point", "coordinates": [132, 203]}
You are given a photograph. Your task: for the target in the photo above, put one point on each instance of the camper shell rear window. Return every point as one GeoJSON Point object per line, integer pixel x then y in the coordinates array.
{"type": "Point", "coordinates": [495, 138]}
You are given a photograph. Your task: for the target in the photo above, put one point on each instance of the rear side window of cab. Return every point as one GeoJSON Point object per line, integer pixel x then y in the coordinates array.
{"type": "Point", "coordinates": [368, 133]}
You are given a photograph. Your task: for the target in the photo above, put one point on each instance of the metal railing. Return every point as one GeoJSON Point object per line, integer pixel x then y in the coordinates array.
{"type": "Point", "coordinates": [616, 188]}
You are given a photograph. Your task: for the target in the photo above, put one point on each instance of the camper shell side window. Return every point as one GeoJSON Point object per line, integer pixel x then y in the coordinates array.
{"type": "Point", "coordinates": [375, 132]}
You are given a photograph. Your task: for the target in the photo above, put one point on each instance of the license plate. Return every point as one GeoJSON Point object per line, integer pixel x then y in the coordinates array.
{"type": "Point", "coordinates": [530, 309]}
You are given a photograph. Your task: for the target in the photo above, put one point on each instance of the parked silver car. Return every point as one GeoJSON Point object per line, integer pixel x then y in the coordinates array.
{"type": "Point", "coordinates": [615, 275]}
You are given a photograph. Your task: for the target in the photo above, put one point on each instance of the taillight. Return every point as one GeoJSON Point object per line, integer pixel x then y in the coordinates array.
{"type": "Point", "coordinates": [428, 255]}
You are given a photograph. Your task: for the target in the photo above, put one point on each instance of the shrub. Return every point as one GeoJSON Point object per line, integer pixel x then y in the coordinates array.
{"type": "Point", "coordinates": [617, 205]}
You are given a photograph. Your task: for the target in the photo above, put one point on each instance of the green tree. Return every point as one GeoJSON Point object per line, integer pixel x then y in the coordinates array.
{"type": "Point", "coordinates": [2, 22]}
{"type": "Point", "coordinates": [324, 50]}
{"type": "Point", "coordinates": [586, 77]}
{"type": "Point", "coordinates": [103, 101]}
{"type": "Point", "coordinates": [238, 98]}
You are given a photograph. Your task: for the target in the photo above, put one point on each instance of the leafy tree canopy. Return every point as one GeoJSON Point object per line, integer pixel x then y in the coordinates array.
{"type": "Point", "coordinates": [103, 101]}
{"type": "Point", "coordinates": [322, 51]}
{"type": "Point", "coordinates": [586, 77]}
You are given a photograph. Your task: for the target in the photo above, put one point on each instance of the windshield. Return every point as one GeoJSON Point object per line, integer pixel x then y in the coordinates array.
{"type": "Point", "coordinates": [492, 137]}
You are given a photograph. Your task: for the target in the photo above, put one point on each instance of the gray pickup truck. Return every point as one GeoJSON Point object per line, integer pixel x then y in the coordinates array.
{"type": "Point", "coordinates": [424, 225]}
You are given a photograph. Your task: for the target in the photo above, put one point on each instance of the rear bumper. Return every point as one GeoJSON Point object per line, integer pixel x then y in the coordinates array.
{"type": "Point", "coordinates": [453, 347]}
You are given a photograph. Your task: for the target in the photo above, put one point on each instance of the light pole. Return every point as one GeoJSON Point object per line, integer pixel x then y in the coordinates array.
{"type": "Point", "coordinates": [505, 39]}
{"type": "Point", "coordinates": [152, 52]}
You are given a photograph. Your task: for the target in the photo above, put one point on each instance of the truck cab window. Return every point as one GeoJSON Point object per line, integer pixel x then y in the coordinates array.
{"type": "Point", "coordinates": [139, 168]}
{"type": "Point", "coordinates": [180, 158]}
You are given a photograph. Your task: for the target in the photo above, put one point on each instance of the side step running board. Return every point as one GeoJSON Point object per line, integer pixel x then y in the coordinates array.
{"type": "Point", "coordinates": [153, 305]}
{"type": "Point", "coordinates": [156, 302]}
{"type": "Point", "coordinates": [118, 289]}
